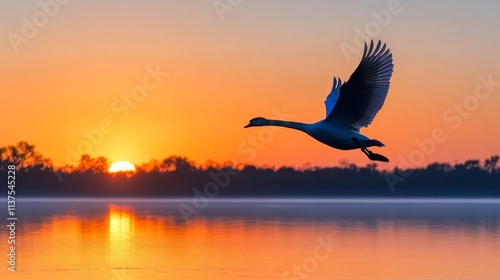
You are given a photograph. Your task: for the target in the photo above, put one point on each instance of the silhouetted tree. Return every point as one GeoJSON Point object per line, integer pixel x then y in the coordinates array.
{"type": "Point", "coordinates": [178, 176]}
{"type": "Point", "coordinates": [151, 166]}
{"type": "Point", "coordinates": [372, 167]}
{"type": "Point", "coordinates": [490, 165]}
{"type": "Point", "coordinates": [472, 164]}
{"type": "Point", "coordinates": [174, 163]}
{"type": "Point", "coordinates": [439, 167]}
{"type": "Point", "coordinates": [169, 164]}
{"type": "Point", "coordinates": [24, 156]}
{"type": "Point", "coordinates": [95, 165]}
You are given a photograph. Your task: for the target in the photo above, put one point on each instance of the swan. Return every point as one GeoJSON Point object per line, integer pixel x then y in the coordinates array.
{"type": "Point", "coordinates": [350, 105]}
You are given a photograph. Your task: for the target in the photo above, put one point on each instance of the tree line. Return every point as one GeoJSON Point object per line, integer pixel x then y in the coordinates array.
{"type": "Point", "coordinates": [177, 176]}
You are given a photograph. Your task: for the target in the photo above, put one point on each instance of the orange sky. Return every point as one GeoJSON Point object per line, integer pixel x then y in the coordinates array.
{"type": "Point", "coordinates": [80, 67]}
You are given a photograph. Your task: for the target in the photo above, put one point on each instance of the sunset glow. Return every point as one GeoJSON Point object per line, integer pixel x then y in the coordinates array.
{"type": "Point", "coordinates": [121, 166]}
{"type": "Point", "coordinates": [264, 139]}
{"type": "Point", "coordinates": [189, 90]}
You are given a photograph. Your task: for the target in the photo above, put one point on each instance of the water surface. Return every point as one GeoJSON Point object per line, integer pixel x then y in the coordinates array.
{"type": "Point", "coordinates": [256, 239]}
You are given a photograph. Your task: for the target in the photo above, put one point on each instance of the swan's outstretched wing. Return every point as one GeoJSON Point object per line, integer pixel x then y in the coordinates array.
{"type": "Point", "coordinates": [362, 96]}
{"type": "Point", "coordinates": [332, 98]}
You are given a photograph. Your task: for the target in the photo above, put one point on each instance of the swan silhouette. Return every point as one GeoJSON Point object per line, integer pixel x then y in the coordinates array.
{"type": "Point", "coordinates": [350, 105]}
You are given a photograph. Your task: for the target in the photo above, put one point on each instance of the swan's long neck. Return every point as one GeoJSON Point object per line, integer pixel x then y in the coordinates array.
{"type": "Point", "coordinates": [294, 125]}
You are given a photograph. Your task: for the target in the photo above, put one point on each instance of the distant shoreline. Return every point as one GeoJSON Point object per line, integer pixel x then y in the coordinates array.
{"type": "Point", "coordinates": [32, 175]}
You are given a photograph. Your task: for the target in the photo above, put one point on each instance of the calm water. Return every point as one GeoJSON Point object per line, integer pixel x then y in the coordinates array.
{"type": "Point", "coordinates": [256, 239]}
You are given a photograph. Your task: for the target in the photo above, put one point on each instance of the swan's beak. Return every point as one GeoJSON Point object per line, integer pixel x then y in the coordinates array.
{"type": "Point", "coordinates": [248, 125]}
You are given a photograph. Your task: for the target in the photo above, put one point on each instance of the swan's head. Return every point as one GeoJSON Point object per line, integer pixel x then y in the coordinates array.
{"type": "Point", "coordinates": [259, 121]}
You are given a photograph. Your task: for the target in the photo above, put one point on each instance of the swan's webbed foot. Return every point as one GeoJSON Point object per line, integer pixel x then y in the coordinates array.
{"type": "Point", "coordinates": [371, 155]}
{"type": "Point", "coordinates": [377, 157]}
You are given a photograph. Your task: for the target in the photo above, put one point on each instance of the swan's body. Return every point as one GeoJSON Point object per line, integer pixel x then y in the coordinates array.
{"type": "Point", "coordinates": [325, 133]}
{"type": "Point", "coordinates": [350, 105]}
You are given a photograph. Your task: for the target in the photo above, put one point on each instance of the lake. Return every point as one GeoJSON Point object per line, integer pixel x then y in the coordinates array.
{"type": "Point", "coordinates": [125, 239]}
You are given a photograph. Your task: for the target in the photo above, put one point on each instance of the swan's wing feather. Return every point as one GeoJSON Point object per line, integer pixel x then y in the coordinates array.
{"type": "Point", "coordinates": [332, 98]}
{"type": "Point", "coordinates": [363, 95]}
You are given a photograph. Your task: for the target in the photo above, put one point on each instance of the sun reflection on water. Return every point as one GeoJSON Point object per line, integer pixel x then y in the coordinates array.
{"type": "Point", "coordinates": [121, 231]}
{"type": "Point", "coordinates": [126, 241]}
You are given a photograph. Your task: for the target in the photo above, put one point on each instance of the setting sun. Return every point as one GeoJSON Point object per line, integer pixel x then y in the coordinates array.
{"type": "Point", "coordinates": [121, 166]}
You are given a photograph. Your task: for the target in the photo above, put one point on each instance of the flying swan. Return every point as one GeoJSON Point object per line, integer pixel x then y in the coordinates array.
{"type": "Point", "coordinates": [350, 105]}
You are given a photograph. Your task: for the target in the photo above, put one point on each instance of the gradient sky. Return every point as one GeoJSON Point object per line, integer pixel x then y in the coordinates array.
{"type": "Point", "coordinates": [254, 59]}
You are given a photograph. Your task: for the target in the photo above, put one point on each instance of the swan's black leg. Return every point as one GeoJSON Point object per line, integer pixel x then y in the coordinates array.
{"type": "Point", "coordinates": [363, 149]}
{"type": "Point", "coordinates": [366, 152]}
{"type": "Point", "coordinates": [371, 155]}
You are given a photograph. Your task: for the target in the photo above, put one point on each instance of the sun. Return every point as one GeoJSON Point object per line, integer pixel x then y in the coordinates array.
{"type": "Point", "coordinates": [121, 166]}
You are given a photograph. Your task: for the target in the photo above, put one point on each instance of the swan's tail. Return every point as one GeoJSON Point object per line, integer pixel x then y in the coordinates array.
{"type": "Point", "coordinates": [371, 142]}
